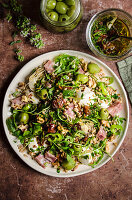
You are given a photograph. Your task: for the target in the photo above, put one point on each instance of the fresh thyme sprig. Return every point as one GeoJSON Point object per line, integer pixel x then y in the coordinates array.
{"type": "Point", "coordinates": [23, 25]}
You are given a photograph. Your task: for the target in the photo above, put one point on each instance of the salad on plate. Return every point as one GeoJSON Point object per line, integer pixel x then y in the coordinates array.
{"type": "Point", "coordinates": [65, 113]}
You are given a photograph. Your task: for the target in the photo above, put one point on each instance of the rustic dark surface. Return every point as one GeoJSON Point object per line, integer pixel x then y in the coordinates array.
{"type": "Point", "coordinates": [20, 182]}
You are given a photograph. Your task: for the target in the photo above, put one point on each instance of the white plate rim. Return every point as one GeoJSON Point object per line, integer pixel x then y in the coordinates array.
{"type": "Point", "coordinates": [68, 52]}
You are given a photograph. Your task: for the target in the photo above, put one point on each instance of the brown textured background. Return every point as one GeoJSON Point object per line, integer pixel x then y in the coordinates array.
{"type": "Point", "coordinates": [20, 182]}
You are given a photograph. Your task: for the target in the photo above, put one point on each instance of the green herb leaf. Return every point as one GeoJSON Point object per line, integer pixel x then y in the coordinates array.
{"type": "Point", "coordinates": [20, 58]}
{"type": "Point", "coordinates": [15, 42]}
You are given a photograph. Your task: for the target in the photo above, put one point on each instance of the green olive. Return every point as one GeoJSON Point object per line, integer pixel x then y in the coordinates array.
{"type": "Point", "coordinates": [77, 149]}
{"type": "Point", "coordinates": [27, 107]}
{"type": "Point", "coordinates": [82, 78]}
{"type": "Point", "coordinates": [43, 94]}
{"type": "Point", "coordinates": [93, 68]}
{"type": "Point", "coordinates": [70, 2]}
{"type": "Point", "coordinates": [71, 11]}
{"type": "Point", "coordinates": [51, 4]}
{"type": "Point", "coordinates": [53, 15]}
{"type": "Point", "coordinates": [63, 18]}
{"type": "Point", "coordinates": [48, 10]}
{"type": "Point", "coordinates": [103, 88]}
{"type": "Point", "coordinates": [116, 129]}
{"type": "Point", "coordinates": [24, 118]}
{"type": "Point", "coordinates": [69, 163]}
{"type": "Point", "coordinates": [104, 113]}
{"type": "Point", "coordinates": [61, 8]}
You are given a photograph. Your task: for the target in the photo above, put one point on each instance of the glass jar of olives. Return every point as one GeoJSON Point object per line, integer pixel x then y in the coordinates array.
{"type": "Point", "coordinates": [60, 15]}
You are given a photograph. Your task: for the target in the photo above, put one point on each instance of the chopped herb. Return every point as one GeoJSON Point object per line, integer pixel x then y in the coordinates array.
{"type": "Point", "coordinates": [82, 95]}
{"type": "Point", "coordinates": [86, 156]}
{"type": "Point", "coordinates": [9, 17]}
{"type": "Point", "coordinates": [15, 33]}
{"type": "Point", "coordinates": [16, 93]}
{"type": "Point", "coordinates": [115, 96]}
{"type": "Point", "coordinates": [20, 57]}
{"type": "Point", "coordinates": [15, 42]}
{"type": "Point", "coordinates": [17, 51]}
{"type": "Point", "coordinates": [58, 170]}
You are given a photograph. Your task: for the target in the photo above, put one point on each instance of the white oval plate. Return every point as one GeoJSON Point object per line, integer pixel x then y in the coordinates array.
{"type": "Point", "coordinates": [82, 169]}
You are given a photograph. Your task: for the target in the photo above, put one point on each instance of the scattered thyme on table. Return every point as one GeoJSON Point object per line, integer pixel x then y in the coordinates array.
{"type": "Point", "coordinates": [23, 26]}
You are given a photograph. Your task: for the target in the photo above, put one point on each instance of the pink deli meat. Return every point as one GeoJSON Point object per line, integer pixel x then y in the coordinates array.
{"type": "Point", "coordinates": [49, 66]}
{"type": "Point", "coordinates": [69, 112]}
{"type": "Point", "coordinates": [41, 160]}
{"type": "Point", "coordinates": [101, 133]}
{"type": "Point", "coordinates": [50, 157]}
{"type": "Point", "coordinates": [115, 108]}
{"type": "Point", "coordinates": [17, 101]}
{"type": "Point", "coordinates": [81, 71]}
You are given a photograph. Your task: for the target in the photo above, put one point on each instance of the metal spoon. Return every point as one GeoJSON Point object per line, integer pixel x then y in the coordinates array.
{"type": "Point", "coordinates": [121, 36]}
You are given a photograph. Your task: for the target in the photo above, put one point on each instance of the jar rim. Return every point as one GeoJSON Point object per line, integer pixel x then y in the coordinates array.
{"type": "Point", "coordinates": [57, 23]}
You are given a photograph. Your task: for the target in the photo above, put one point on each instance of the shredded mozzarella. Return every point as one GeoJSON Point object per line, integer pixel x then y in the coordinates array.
{"type": "Point", "coordinates": [87, 96]}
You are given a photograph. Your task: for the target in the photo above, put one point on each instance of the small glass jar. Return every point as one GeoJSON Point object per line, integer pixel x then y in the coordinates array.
{"type": "Point", "coordinates": [124, 17]}
{"type": "Point", "coordinates": [65, 26]}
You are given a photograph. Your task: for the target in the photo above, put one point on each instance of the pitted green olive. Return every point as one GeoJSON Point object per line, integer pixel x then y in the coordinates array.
{"type": "Point", "coordinates": [61, 8]}
{"type": "Point", "coordinates": [69, 163]}
{"type": "Point", "coordinates": [82, 78]}
{"type": "Point", "coordinates": [53, 15]}
{"type": "Point", "coordinates": [70, 2]}
{"type": "Point", "coordinates": [24, 118]}
{"type": "Point", "coordinates": [103, 88]}
{"type": "Point", "coordinates": [93, 68]}
{"type": "Point", "coordinates": [116, 129]}
{"type": "Point", "coordinates": [63, 18]}
{"type": "Point", "coordinates": [51, 4]}
{"type": "Point", "coordinates": [77, 149]}
{"type": "Point", "coordinates": [43, 94]}
{"type": "Point", "coordinates": [71, 11]}
{"type": "Point", "coordinates": [104, 113]}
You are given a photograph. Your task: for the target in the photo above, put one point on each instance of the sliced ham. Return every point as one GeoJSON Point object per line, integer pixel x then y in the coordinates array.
{"type": "Point", "coordinates": [81, 71]}
{"type": "Point", "coordinates": [48, 85]}
{"type": "Point", "coordinates": [69, 112]}
{"type": "Point", "coordinates": [17, 102]}
{"type": "Point", "coordinates": [49, 66]}
{"type": "Point", "coordinates": [58, 103]}
{"type": "Point", "coordinates": [50, 157]}
{"type": "Point", "coordinates": [101, 133]}
{"type": "Point", "coordinates": [115, 108]}
{"type": "Point", "coordinates": [41, 160]}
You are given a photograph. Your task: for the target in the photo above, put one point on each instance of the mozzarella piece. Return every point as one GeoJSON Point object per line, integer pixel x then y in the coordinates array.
{"type": "Point", "coordinates": [104, 105]}
{"type": "Point", "coordinates": [33, 145]}
{"type": "Point", "coordinates": [86, 161]}
{"type": "Point", "coordinates": [86, 152]}
{"type": "Point", "coordinates": [88, 96]}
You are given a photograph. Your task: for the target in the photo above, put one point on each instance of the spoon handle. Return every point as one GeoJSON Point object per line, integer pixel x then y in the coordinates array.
{"type": "Point", "coordinates": [129, 38]}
